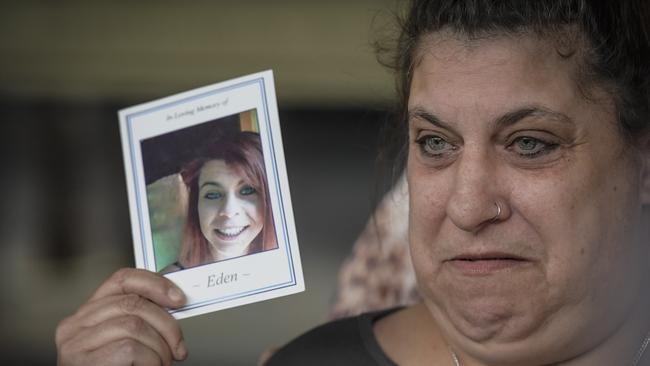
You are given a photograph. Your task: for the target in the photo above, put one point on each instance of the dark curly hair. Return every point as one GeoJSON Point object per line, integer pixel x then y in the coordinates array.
{"type": "Point", "coordinates": [610, 38]}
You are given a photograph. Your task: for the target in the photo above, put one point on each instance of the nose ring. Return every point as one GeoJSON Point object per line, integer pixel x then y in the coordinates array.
{"type": "Point", "coordinates": [496, 217]}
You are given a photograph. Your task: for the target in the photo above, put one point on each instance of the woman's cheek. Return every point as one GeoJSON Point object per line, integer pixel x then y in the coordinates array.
{"type": "Point", "coordinates": [207, 212]}
{"type": "Point", "coordinates": [251, 205]}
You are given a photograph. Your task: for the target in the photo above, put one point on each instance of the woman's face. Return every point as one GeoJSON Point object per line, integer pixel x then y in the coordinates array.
{"type": "Point", "coordinates": [230, 208]}
{"type": "Point", "coordinates": [562, 267]}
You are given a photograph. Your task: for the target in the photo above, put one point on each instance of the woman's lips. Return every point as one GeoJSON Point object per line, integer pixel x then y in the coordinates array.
{"type": "Point", "coordinates": [230, 233]}
{"type": "Point", "coordinates": [486, 263]}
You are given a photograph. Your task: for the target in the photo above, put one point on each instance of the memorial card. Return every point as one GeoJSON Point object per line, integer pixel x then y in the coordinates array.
{"type": "Point", "coordinates": [209, 196]}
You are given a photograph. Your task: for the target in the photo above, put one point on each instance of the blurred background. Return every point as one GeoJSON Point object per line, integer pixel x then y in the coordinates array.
{"type": "Point", "coordinates": [66, 67]}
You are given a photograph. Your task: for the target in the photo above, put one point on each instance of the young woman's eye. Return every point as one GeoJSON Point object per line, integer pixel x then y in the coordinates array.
{"type": "Point", "coordinates": [213, 195]}
{"type": "Point", "coordinates": [530, 147]}
{"type": "Point", "coordinates": [433, 145]}
{"type": "Point", "coordinates": [247, 190]}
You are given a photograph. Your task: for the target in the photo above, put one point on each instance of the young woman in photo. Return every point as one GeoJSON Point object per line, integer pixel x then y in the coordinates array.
{"type": "Point", "coordinates": [228, 212]}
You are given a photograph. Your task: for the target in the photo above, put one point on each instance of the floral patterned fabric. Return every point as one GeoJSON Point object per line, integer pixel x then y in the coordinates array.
{"type": "Point", "coordinates": [379, 274]}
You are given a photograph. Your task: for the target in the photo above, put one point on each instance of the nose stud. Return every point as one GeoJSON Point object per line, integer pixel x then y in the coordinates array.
{"type": "Point", "coordinates": [496, 217]}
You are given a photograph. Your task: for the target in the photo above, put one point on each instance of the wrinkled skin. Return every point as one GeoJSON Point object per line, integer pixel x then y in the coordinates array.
{"type": "Point", "coordinates": [124, 323]}
{"type": "Point", "coordinates": [564, 266]}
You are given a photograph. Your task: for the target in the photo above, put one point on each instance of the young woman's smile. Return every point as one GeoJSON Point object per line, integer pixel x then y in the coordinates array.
{"type": "Point", "coordinates": [230, 209]}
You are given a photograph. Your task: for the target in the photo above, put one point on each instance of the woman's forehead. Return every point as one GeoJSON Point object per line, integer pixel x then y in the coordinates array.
{"type": "Point", "coordinates": [564, 43]}
{"type": "Point", "coordinates": [458, 80]}
{"type": "Point", "coordinates": [451, 58]}
{"type": "Point", "coordinates": [218, 171]}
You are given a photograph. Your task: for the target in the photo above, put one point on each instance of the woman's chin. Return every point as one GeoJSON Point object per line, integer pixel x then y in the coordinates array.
{"type": "Point", "coordinates": [231, 246]}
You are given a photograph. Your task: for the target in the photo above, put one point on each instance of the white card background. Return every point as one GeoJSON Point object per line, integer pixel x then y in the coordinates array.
{"type": "Point", "coordinates": [239, 280]}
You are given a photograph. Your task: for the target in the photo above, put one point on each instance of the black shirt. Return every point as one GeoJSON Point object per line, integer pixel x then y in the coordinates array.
{"type": "Point", "coordinates": [349, 341]}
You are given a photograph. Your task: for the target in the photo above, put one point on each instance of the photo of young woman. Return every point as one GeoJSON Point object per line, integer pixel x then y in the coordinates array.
{"type": "Point", "coordinates": [228, 209]}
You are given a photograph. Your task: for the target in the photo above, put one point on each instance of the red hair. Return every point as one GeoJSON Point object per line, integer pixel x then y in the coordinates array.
{"type": "Point", "coordinates": [242, 152]}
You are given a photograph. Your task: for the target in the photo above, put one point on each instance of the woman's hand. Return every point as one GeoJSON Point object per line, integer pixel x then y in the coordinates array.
{"type": "Point", "coordinates": [124, 323]}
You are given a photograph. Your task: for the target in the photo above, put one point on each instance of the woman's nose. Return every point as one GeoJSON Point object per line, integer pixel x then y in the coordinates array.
{"type": "Point", "coordinates": [230, 207]}
{"type": "Point", "coordinates": [476, 198]}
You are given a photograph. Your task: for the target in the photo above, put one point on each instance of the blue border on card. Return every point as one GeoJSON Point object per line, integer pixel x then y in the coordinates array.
{"type": "Point", "coordinates": [138, 194]}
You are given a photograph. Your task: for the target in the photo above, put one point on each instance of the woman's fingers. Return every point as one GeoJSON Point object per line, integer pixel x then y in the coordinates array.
{"type": "Point", "coordinates": [113, 330]}
{"type": "Point", "coordinates": [147, 284]}
{"type": "Point", "coordinates": [127, 310]}
{"type": "Point", "coordinates": [124, 352]}
{"type": "Point", "coordinates": [101, 310]}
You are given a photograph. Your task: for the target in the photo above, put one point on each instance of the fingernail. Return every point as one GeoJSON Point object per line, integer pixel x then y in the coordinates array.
{"type": "Point", "coordinates": [181, 351]}
{"type": "Point", "coordinates": [175, 294]}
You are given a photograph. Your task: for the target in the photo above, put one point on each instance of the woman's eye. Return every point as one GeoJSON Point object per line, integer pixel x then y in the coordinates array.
{"type": "Point", "coordinates": [213, 195]}
{"type": "Point", "coordinates": [530, 147]}
{"type": "Point", "coordinates": [247, 190]}
{"type": "Point", "coordinates": [433, 145]}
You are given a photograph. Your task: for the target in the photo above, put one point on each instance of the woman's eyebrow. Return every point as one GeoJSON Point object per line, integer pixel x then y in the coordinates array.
{"type": "Point", "coordinates": [421, 113]}
{"type": "Point", "coordinates": [507, 119]}
{"type": "Point", "coordinates": [210, 183]}
{"type": "Point", "coordinates": [534, 111]}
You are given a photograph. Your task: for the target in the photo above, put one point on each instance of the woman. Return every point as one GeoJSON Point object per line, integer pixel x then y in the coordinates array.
{"type": "Point", "coordinates": [229, 212]}
{"type": "Point", "coordinates": [528, 175]}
